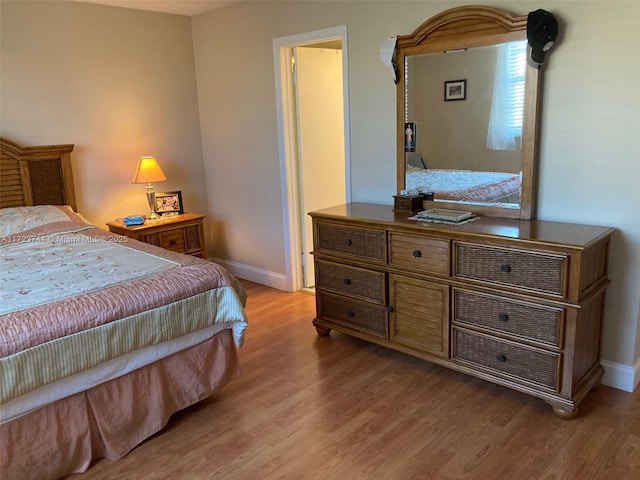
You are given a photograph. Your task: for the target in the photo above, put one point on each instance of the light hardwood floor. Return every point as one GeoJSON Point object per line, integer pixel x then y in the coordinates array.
{"type": "Point", "coordinates": [310, 407]}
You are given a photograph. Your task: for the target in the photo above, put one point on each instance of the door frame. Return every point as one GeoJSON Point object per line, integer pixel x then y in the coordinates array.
{"type": "Point", "coordinates": [287, 141]}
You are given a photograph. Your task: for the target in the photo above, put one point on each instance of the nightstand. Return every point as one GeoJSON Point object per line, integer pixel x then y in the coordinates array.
{"type": "Point", "coordinates": [182, 233]}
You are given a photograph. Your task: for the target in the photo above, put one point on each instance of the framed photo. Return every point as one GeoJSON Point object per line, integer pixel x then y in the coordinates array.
{"type": "Point", "coordinates": [455, 90]}
{"type": "Point", "coordinates": [410, 137]}
{"type": "Point", "coordinates": [169, 203]}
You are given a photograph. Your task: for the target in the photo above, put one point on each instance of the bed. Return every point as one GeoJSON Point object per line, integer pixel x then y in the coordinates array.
{"type": "Point", "coordinates": [102, 338]}
{"type": "Point", "coordinates": [465, 185]}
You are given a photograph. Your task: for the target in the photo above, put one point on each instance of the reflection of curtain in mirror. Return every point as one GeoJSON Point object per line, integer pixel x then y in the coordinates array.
{"type": "Point", "coordinates": [505, 120]}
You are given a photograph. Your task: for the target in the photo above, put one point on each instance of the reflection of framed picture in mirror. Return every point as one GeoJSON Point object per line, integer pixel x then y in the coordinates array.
{"type": "Point", "coordinates": [169, 203]}
{"type": "Point", "coordinates": [455, 90]}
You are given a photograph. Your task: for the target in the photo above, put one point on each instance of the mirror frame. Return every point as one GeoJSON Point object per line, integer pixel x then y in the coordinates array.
{"type": "Point", "coordinates": [466, 27]}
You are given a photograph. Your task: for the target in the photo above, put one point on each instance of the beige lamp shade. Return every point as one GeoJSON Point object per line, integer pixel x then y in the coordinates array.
{"type": "Point", "coordinates": [148, 171]}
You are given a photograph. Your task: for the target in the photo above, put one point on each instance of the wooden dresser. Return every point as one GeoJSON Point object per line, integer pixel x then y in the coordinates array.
{"type": "Point", "coordinates": [518, 303]}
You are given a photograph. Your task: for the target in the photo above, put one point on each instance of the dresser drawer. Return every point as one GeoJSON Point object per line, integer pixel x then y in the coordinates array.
{"type": "Point", "coordinates": [173, 239]}
{"type": "Point", "coordinates": [359, 282]}
{"type": "Point", "coordinates": [366, 243]}
{"type": "Point", "coordinates": [424, 254]}
{"type": "Point", "coordinates": [506, 358]}
{"type": "Point", "coordinates": [534, 322]}
{"type": "Point", "coordinates": [531, 270]}
{"type": "Point", "coordinates": [353, 313]}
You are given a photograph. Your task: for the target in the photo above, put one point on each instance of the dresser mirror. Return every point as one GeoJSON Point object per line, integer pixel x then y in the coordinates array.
{"type": "Point", "coordinates": [467, 112]}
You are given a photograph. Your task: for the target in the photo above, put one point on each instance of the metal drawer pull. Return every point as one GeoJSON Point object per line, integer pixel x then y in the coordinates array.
{"type": "Point", "coordinates": [348, 241]}
{"type": "Point", "coordinates": [351, 313]}
{"type": "Point", "coordinates": [502, 358]}
{"type": "Point", "coordinates": [417, 253]}
{"type": "Point", "coordinates": [389, 309]}
{"type": "Point", "coordinates": [172, 242]}
{"type": "Point", "coordinates": [503, 317]}
{"type": "Point", "coordinates": [505, 268]}
{"type": "Point", "coordinates": [346, 281]}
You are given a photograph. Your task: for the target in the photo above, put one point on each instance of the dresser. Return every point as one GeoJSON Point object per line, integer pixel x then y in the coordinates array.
{"type": "Point", "coordinates": [183, 233]}
{"type": "Point", "coordinates": [518, 303]}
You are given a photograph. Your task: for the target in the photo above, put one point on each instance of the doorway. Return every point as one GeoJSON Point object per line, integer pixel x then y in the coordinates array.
{"type": "Point", "coordinates": [311, 94]}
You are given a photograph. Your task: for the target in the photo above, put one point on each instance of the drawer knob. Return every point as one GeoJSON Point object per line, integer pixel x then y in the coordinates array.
{"type": "Point", "coordinates": [346, 281]}
{"type": "Point", "coordinates": [502, 358]}
{"type": "Point", "coordinates": [351, 314]}
{"type": "Point", "coordinates": [172, 242]}
{"type": "Point", "coordinates": [417, 253]}
{"type": "Point", "coordinates": [505, 268]}
{"type": "Point", "coordinates": [389, 309]}
{"type": "Point", "coordinates": [503, 317]}
{"type": "Point", "coordinates": [348, 241]}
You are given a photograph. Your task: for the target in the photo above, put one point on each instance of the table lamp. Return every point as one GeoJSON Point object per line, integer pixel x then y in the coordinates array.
{"type": "Point", "coordinates": [149, 171]}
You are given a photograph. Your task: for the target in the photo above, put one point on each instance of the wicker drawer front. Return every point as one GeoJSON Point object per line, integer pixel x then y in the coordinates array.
{"type": "Point", "coordinates": [535, 322]}
{"type": "Point", "coordinates": [192, 238]}
{"type": "Point", "coordinates": [538, 271]}
{"type": "Point", "coordinates": [360, 242]}
{"type": "Point", "coordinates": [359, 282]}
{"type": "Point", "coordinates": [506, 358]}
{"type": "Point", "coordinates": [359, 315]}
{"type": "Point", "coordinates": [419, 253]}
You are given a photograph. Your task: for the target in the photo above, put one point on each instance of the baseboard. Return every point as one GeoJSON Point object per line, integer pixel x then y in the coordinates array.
{"type": "Point", "coordinates": [622, 377]}
{"type": "Point", "coordinates": [253, 274]}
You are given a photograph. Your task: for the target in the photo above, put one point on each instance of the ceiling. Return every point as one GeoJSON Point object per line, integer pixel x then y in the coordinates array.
{"type": "Point", "coordinates": [176, 7]}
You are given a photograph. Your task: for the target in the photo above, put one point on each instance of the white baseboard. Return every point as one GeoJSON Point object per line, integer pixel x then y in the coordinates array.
{"type": "Point", "coordinates": [622, 377]}
{"type": "Point", "coordinates": [253, 274]}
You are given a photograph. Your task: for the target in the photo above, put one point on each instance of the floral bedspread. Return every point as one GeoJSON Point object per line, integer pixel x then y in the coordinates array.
{"type": "Point", "coordinates": [41, 269]}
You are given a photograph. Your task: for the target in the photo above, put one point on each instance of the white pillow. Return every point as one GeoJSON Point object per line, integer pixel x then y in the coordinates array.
{"type": "Point", "coordinates": [14, 220]}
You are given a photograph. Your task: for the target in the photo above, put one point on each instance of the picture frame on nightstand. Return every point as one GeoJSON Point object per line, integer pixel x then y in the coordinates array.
{"type": "Point", "coordinates": [169, 203]}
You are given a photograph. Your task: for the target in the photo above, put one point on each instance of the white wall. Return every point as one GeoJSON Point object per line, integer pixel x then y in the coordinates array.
{"type": "Point", "coordinates": [118, 83]}
{"type": "Point", "coordinates": [590, 169]}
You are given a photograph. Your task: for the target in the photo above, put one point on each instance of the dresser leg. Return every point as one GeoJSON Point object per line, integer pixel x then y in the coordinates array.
{"type": "Point", "coordinates": [322, 331]}
{"type": "Point", "coordinates": [565, 414]}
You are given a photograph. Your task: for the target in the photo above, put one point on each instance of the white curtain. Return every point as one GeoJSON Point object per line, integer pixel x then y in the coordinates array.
{"type": "Point", "coordinates": [501, 134]}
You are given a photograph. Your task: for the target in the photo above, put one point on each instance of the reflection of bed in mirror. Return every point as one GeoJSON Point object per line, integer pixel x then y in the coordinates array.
{"type": "Point", "coordinates": [466, 185]}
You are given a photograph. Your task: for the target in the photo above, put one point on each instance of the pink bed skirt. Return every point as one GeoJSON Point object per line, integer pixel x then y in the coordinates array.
{"type": "Point", "coordinates": [111, 419]}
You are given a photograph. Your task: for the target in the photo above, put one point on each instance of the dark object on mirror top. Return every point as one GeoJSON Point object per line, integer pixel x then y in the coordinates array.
{"type": "Point", "coordinates": [542, 30]}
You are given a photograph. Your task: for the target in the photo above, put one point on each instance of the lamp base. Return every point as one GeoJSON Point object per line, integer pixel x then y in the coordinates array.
{"type": "Point", "coordinates": [151, 198]}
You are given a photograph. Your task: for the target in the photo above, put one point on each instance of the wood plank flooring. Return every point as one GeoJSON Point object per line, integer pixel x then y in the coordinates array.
{"type": "Point", "coordinates": [310, 407]}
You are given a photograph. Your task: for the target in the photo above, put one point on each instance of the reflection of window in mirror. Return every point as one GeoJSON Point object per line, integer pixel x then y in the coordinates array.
{"type": "Point", "coordinates": [507, 104]}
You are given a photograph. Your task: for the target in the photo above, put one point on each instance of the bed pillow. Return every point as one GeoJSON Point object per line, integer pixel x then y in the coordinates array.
{"type": "Point", "coordinates": [19, 220]}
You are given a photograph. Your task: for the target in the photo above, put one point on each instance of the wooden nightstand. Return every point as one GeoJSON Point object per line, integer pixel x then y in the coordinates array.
{"type": "Point", "coordinates": [182, 233]}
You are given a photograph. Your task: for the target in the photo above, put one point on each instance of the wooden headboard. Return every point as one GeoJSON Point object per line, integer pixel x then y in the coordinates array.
{"type": "Point", "coordinates": [36, 175]}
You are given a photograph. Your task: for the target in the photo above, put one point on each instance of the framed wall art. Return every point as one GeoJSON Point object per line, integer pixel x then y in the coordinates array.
{"type": "Point", "coordinates": [410, 137]}
{"type": "Point", "coordinates": [455, 90]}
